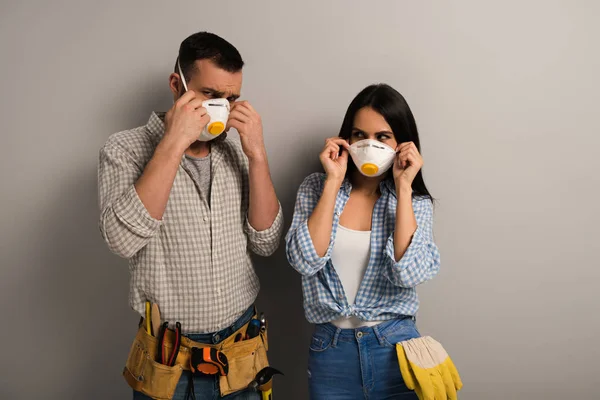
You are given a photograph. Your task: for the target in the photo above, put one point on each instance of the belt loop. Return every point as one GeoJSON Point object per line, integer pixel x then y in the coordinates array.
{"type": "Point", "coordinates": [335, 337]}
{"type": "Point", "coordinates": [379, 336]}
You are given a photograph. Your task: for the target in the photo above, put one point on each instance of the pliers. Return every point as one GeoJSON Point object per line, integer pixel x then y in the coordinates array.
{"type": "Point", "coordinates": [162, 351]}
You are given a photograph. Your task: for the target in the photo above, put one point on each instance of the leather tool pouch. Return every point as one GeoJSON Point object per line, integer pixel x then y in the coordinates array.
{"type": "Point", "coordinates": [143, 374]}
{"type": "Point", "coordinates": [246, 359]}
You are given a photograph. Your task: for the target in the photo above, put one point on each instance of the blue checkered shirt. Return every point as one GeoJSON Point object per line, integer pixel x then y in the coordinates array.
{"type": "Point", "coordinates": [388, 287]}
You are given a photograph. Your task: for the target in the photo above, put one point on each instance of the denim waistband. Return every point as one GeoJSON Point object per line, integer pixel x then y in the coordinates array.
{"type": "Point", "coordinates": [218, 337]}
{"type": "Point", "coordinates": [377, 331]}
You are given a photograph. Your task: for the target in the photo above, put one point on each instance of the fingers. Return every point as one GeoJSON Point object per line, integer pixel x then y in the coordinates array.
{"type": "Point", "coordinates": [205, 119]}
{"type": "Point", "coordinates": [240, 110]}
{"type": "Point", "coordinates": [190, 107]}
{"type": "Point", "coordinates": [245, 106]}
{"type": "Point", "coordinates": [402, 146]}
{"type": "Point", "coordinates": [234, 123]}
{"type": "Point", "coordinates": [332, 150]}
{"type": "Point", "coordinates": [402, 164]}
{"type": "Point", "coordinates": [343, 158]}
{"type": "Point", "coordinates": [406, 159]}
{"type": "Point", "coordinates": [408, 154]}
{"type": "Point", "coordinates": [237, 120]}
{"type": "Point", "coordinates": [196, 104]}
{"type": "Point", "coordinates": [338, 141]}
{"type": "Point", "coordinates": [238, 115]}
{"type": "Point", "coordinates": [333, 147]}
{"type": "Point", "coordinates": [244, 112]}
{"type": "Point", "coordinates": [185, 98]}
{"type": "Point", "coordinates": [409, 157]}
{"type": "Point", "coordinates": [406, 146]}
{"type": "Point", "coordinates": [188, 101]}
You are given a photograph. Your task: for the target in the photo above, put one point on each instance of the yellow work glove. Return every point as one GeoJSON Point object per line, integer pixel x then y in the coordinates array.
{"type": "Point", "coordinates": [427, 369]}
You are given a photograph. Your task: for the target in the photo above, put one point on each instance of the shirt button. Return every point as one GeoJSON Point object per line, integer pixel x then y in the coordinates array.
{"type": "Point", "coordinates": [205, 219]}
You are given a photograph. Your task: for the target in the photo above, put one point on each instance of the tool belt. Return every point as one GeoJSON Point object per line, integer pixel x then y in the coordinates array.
{"type": "Point", "coordinates": [143, 374]}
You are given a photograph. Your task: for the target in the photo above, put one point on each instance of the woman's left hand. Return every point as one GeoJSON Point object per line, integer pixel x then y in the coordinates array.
{"type": "Point", "coordinates": [407, 164]}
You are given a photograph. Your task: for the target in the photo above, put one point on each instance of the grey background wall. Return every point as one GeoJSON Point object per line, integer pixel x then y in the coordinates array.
{"type": "Point", "coordinates": [505, 94]}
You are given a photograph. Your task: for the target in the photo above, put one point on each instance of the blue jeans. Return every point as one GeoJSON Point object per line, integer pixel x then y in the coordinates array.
{"type": "Point", "coordinates": [207, 387]}
{"type": "Point", "coordinates": [352, 364]}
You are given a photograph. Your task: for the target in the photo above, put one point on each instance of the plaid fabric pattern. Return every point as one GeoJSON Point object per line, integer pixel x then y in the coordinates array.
{"type": "Point", "coordinates": [195, 262]}
{"type": "Point", "coordinates": [388, 287]}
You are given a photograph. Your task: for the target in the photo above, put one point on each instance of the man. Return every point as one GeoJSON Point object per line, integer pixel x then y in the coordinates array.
{"type": "Point", "coordinates": [187, 213]}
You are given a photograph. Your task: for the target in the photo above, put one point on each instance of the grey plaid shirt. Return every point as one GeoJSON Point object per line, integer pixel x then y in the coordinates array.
{"type": "Point", "coordinates": [195, 263]}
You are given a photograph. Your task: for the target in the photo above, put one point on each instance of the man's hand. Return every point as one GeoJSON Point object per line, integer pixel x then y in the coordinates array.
{"type": "Point", "coordinates": [248, 123]}
{"type": "Point", "coordinates": [185, 120]}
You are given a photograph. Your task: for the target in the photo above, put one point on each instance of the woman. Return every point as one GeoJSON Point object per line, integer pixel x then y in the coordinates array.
{"type": "Point", "coordinates": [362, 239]}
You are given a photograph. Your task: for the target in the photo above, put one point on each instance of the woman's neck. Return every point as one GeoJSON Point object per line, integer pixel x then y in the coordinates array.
{"type": "Point", "coordinates": [365, 185]}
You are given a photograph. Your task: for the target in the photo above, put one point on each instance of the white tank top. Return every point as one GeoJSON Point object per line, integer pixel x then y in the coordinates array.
{"type": "Point", "coordinates": [350, 258]}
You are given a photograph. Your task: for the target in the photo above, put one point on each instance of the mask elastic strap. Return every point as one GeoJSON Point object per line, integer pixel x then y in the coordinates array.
{"type": "Point", "coordinates": [181, 75]}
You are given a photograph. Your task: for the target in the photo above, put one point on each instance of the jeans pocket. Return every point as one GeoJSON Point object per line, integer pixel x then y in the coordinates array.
{"type": "Point", "coordinates": [399, 331]}
{"type": "Point", "coordinates": [320, 342]}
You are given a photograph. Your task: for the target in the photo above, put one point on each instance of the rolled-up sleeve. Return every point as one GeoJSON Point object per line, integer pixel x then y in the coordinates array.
{"type": "Point", "coordinates": [421, 261]}
{"type": "Point", "coordinates": [265, 242]}
{"type": "Point", "coordinates": [125, 224]}
{"type": "Point", "coordinates": [300, 250]}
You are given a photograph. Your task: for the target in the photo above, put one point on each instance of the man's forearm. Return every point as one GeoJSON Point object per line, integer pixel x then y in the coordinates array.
{"type": "Point", "coordinates": [264, 206]}
{"type": "Point", "coordinates": [154, 186]}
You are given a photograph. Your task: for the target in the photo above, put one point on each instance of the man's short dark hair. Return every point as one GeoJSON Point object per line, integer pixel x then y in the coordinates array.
{"type": "Point", "coordinates": [208, 46]}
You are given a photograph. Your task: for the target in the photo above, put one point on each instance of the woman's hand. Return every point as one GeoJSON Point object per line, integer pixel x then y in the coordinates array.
{"type": "Point", "coordinates": [334, 163]}
{"type": "Point", "coordinates": [407, 164]}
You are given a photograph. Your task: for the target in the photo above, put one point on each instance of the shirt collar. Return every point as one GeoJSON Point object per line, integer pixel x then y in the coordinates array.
{"type": "Point", "coordinates": [156, 125]}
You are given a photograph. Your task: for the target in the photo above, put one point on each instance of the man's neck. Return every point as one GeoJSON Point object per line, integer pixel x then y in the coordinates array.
{"type": "Point", "coordinates": [198, 149]}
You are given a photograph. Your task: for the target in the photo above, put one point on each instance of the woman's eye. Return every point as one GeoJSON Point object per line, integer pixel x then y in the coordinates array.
{"type": "Point", "coordinates": [383, 137]}
{"type": "Point", "coordinates": [358, 134]}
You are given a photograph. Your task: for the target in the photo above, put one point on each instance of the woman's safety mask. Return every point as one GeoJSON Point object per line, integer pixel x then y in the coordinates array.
{"type": "Point", "coordinates": [372, 158]}
{"type": "Point", "coordinates": [218, 110]}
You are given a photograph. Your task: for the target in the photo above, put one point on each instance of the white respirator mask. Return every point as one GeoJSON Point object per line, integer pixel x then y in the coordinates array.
{"type": "Point", "coordinates": [217, 109]}
{"type": "Point", "coordinates": [372, 158]}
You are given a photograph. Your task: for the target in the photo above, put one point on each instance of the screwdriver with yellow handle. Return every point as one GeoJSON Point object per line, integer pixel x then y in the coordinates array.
{"type": "Point", "coordinates": [148, 318]}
